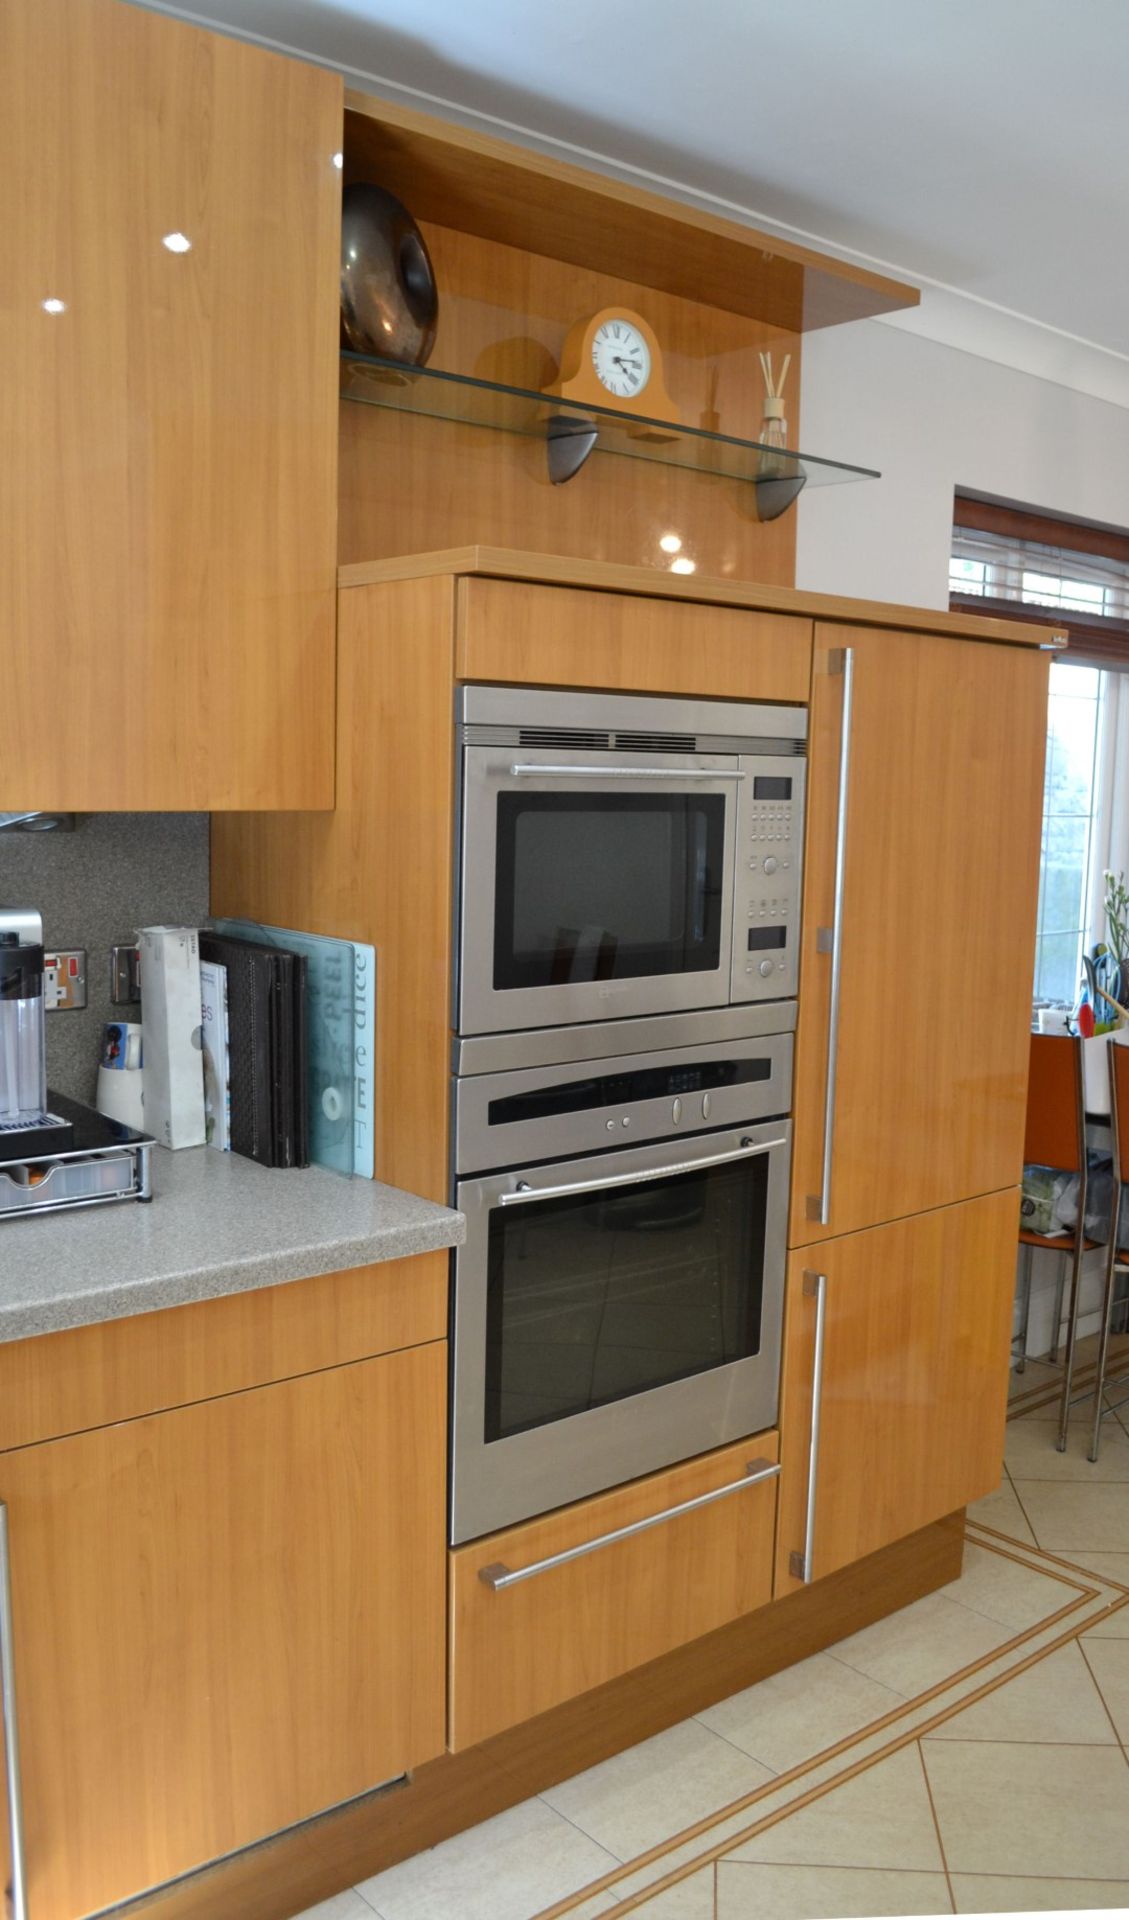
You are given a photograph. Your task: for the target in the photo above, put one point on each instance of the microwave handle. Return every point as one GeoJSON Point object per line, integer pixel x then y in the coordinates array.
{"type": "Point", "coordinates": [526, 1193]}
{"type": "Point", "coordinates": [523, 772]}
{"type": "Point", "coordinates": [831, 939]}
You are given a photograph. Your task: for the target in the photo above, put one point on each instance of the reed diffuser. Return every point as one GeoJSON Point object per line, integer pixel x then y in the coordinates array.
{"type": "Point", "coordinates": [774, 427]}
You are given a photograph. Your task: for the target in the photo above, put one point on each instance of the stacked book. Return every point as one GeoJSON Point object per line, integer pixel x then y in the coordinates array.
{"type": "Point", "coordinates": [258, 1048]}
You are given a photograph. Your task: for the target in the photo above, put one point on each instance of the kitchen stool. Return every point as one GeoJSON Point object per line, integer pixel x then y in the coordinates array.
{"type": "Point", "coordinates": [1117, 1259]}
{"type": "Point", "coordinates": [1056, 1137]}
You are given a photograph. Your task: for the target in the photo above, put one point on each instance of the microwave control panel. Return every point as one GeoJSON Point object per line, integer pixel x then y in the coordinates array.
{"type": "Point", "coordinates": [766, 896]}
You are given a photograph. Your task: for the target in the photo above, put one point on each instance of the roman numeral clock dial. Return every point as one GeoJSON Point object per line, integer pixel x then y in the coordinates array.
{"type": "Point", "coordinates": [621, 358]}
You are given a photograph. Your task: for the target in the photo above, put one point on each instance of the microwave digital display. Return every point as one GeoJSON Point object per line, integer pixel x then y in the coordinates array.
{"type": "Point", "coordinates": [772, 786]}
{"type": "Point", "coordinates": [761, 938]}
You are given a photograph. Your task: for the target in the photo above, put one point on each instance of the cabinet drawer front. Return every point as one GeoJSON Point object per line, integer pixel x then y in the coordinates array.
{"type": "Point", "coordinates": [521, 1646]}
{"type": "Point", "coordinates": [226, 1618]}
{"type": "Point", "coordinates": [568, 637]}
{"type": "Point", "coordinates": [90, 1376]}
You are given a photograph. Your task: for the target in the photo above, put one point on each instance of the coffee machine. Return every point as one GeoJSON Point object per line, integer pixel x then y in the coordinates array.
{"type": "Point", "coordinates": [54, 1152]}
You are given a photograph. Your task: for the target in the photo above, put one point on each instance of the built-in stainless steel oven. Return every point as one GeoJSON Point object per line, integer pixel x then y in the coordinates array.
{"type": "Point", "coordinates": [622, 856]}
{"type": "Point", "coordinates": [617, 1305]}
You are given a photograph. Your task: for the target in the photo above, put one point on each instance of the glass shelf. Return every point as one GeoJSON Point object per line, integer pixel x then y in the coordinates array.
{"type": "Point", "coordinates": [571, 431]}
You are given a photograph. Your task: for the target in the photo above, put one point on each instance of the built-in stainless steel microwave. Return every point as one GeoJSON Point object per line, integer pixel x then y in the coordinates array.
{"type": "Point", "coordinates": [621, 855]}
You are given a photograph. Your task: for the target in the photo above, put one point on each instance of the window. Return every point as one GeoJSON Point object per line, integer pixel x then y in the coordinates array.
{"type": "Point", "coordinates": [1069, 808]}
{"type": "Point", "coordinates": [996, 569]}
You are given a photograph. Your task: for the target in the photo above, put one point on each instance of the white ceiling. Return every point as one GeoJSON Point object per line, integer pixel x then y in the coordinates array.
{"type": "Point", "coordinates": [977, 147]}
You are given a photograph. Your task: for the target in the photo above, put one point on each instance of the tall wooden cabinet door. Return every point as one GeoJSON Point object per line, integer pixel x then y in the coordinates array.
{"type": "Point", "coordinates": [168, 331]}
{"type": "Point", "coordinates": [925, 802]}
{"type": "Point", "coordinates": [226, 1618]}
{"type": "Point", "coordinates": [898, 1339]}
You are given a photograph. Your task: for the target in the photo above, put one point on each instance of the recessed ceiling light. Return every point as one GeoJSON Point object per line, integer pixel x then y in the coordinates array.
{"type": "Point", "coordinates": [670, 543]}
{"type": "Point", "coordinates": [177, 242]}
{"type": "Point", "coordinates": [682, 566]}
{"type": "Point", "coordinates": [54, 306]}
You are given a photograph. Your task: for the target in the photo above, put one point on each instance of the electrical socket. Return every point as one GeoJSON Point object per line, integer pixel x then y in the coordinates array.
{"type": "Point", "coordinates": [64, 980]}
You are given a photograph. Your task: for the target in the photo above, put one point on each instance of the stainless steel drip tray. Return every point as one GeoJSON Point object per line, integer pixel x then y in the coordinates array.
{"type": "Point", "coordinates": [607, 1101]}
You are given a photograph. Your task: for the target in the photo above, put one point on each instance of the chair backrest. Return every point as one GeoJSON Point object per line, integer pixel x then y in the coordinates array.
{"type": "Point", "coordinates": [1056, 1133]}
{"type": "Point", "coordinates": [1119, 1103]}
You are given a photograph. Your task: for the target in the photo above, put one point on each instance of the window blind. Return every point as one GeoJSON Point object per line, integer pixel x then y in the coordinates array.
{"type": "Point", "coordinates": [1004, 560]}
{"type": "Point", "coordinates": [1039, 575]}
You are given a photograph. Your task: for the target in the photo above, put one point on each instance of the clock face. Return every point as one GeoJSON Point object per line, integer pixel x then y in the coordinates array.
{"type": "Point", "coordinates": [621, 358]}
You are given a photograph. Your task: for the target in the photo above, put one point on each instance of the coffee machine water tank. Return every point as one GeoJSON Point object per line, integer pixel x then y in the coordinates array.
{"type": "Point", "coordinates": [23, 1060]}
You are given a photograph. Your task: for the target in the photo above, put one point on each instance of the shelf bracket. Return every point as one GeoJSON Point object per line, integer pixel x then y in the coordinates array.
{"type": "Point", "coordinates": [568, 442]}
{"type": "Point", "coordinates": [776, 493]}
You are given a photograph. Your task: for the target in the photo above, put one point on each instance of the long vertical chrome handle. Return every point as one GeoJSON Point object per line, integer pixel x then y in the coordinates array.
{"type": "Point", "coordinates": [11, 1734]}
{"type": "Point", "coordinates": [819, 1206]}
{"type": "Point", "coordinates": [814, 1283]}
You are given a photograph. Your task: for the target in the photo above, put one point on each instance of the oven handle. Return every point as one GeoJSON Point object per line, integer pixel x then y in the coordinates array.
{"type": "Point", "coordinates": [498, 1576]}
{"type": "Point", "coordinates": [522, 772]}
{"type": "Point", "coordinates": [526, 1193]}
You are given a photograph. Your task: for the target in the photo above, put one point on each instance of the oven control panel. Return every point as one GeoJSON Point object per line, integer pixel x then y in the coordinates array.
{"type": "Point", "coordinates": [530, 1114]}
{"type": "Point", "coordinates": [766, 896]}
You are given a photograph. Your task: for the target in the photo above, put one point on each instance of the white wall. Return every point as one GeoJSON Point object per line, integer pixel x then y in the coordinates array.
{"type": "Point", "coordinates": [932, 418]}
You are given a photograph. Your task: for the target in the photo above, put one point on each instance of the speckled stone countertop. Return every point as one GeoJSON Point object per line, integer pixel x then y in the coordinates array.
{"type": "Point", "coordinates": [217, 1224]}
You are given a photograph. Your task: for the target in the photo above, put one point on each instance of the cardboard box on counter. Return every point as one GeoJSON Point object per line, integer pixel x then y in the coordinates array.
{"type": "Point", "coordinates": [172, 1040]}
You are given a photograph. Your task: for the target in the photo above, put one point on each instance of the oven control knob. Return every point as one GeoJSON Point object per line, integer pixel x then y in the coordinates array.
{"type": "Point", "coordinates": [676, 1111]}
{"type": "Point", "coordinates": [770, 864]}
{"type": "Point", "coordinates": [766, 968]}
{"type": "Point", "coordinates": [625, 1122]}
{"type": "Point", "coordinates": [610, 1125]}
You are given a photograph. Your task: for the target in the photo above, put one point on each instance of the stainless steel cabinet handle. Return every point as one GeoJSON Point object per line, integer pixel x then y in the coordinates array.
{"type": "Point", "coordinates": [11, 1732]}
{"type": "Point", "coordinates": [525, 1193]}
{"type": "Point", "coordinates": [498, 1576]}
{"type": "Point", "coordinates": [814, 1283]}
{"type": "Point", "coordinates": [819, 1205]}
{"type": "Point", "coordinates": [624, 773]}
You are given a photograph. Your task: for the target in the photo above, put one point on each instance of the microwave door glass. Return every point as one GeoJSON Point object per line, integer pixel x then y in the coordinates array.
{"type": "Point", "coordinates": [594, 1297]}
{"type": "Point", "coordinates": [611, 886]}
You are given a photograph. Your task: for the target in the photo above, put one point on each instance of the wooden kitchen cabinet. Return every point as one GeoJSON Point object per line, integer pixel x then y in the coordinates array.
{"type": "Point", "coordinates": [926, 1084]}
{"type": "Point", "coordinates": [912, 1389]}
{"type": "Point", "coordinates": [227, 1617]}
{"type": "Point", "coordinates": [607, 1604]}
{"type": "Point", "coordinates": [168, 483]}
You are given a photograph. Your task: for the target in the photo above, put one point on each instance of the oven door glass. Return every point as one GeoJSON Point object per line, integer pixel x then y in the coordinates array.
{"type": "Point", "coordinates": [597, 1296]}
{"type": "Point", "coordinates": [614, 1314]}
{"type": "Point", "coordinates": [590, 893]}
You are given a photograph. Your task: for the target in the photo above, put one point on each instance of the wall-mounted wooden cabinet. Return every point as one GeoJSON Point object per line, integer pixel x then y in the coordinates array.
{"type": "Point", "coordinates": [168, 478]}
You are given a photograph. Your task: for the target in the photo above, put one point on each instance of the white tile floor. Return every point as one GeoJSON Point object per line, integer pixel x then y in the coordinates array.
{"type": "Point", "coordinates": [1015, 1800]}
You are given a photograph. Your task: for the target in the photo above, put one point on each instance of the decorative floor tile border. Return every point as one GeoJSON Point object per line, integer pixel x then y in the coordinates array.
{"type": "Point", "coordinates": [1044, 1393]}
{"type": "Point", "coordinates": [1092, 1598]}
